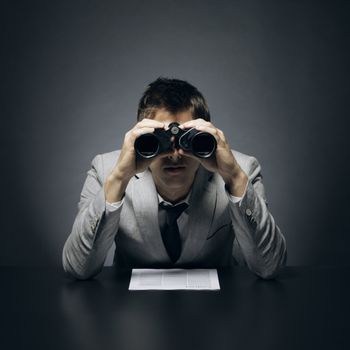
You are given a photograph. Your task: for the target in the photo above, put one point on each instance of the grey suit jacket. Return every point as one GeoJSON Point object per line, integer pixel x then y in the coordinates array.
{"type": "Point", "coordinates": [219, 232]}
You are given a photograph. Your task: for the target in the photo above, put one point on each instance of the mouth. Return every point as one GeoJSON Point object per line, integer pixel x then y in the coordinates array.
{"type": "Point", "coordinates": [174, 169]}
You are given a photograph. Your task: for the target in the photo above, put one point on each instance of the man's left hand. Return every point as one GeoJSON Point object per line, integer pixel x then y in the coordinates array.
{"type": "Point", "coordinates": [224, 161]}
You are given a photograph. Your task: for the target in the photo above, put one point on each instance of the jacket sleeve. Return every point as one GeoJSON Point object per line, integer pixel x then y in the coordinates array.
{"type": "Point", "coordinates": [93, 230]}
{"type": "Point", "coordinates": [258, 240]}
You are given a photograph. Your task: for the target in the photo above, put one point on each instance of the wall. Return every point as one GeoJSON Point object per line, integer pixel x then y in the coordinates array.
{"type": "Point", "coordinates": [275, 74]}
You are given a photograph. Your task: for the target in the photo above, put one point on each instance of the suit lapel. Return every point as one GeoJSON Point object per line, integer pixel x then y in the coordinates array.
{"type": "Point", "coordinates": [145, 203]}
{"type": "Point", "coordinates": [201, 211]}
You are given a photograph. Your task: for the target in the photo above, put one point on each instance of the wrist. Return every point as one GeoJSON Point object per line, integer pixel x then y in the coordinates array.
{"type": "Point", "coordinates": [115, 187]}
{"type": "Point", "coordinates": [118, 176]}
{"type": "Point", "coordinates": [237, 183]}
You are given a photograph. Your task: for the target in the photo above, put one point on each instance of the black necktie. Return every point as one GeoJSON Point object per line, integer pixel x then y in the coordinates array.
{"type": "Point", "coordinates": [170, 233]}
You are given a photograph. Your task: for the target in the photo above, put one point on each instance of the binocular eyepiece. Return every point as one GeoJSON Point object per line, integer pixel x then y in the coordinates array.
{"type": "Point", "coordinates": [201, 144]}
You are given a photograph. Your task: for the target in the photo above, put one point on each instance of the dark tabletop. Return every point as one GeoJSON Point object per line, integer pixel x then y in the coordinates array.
{"type": "Point", "coordinates": [304, 308]}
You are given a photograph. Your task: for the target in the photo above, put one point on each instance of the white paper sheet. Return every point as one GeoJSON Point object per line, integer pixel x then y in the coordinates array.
{"type": "Point", "coordinates": [168, 279]}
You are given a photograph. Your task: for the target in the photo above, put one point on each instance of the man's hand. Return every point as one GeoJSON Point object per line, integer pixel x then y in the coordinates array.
{"type": "Point", "coordinates": [127, 165]}
{"type": "Point", "coordinates": [224, 162]}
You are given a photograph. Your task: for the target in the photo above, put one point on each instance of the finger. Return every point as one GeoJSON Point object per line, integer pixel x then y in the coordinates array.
{"type": "Point", "coordinates": [151, 123]}
{"type": "Point", "coordinates": [210, 130]}
{"type": "Point", "coordinates": [194, 123]}
{"type": "Point", "coordinates": [221, 134]}
{"type": "Point", "coordinates": [133, 134]}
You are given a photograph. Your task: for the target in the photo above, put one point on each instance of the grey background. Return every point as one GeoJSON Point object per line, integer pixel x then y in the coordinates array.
{"type": "Point", "coordinates": [275, 75]}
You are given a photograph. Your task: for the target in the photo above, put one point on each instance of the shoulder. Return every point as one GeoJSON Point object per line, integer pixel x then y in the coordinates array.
{"type": "Point", "coordinates": [110, 157]}
{"type": "Point", "coordinates": [103, 163]}
{"type": "Point", "coordinates": [249, 164]}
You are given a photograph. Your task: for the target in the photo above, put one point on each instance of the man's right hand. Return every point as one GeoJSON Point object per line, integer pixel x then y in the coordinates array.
{"type": "Point", "coordinates": [128, 165]}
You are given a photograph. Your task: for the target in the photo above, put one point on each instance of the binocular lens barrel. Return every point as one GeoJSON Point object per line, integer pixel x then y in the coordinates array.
{"type": "Point", "coordinates": [201, 144]}
{"type": "Point", "coordinates": [147, 146]}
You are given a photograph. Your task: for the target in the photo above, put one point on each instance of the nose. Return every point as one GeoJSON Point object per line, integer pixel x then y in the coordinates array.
{"type": "Point", "coordinates": [175, 155]}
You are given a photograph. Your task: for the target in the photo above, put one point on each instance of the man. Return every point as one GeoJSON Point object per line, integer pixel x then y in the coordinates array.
{"type": "Point", "coordinates": [221, 210]}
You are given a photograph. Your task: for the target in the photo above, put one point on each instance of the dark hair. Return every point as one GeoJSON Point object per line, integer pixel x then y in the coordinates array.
{"type": "Point", "coordinates": [175, 96]}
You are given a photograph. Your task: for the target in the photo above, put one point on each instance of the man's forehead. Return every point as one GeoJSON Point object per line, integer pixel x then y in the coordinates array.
{"type": "Point", "coordinates": [163, 115]}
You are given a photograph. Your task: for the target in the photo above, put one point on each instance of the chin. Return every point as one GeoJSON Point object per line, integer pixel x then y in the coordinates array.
{"type": "Point", "coordinates": [177, 181]}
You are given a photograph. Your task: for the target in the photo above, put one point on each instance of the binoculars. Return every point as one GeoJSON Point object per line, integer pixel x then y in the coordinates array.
{"type": "Point", "coordinates": [201, 144]}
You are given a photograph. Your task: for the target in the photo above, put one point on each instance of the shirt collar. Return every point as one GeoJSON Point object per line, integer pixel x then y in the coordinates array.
{"type": "Point", "coordinates": [185, 200]}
